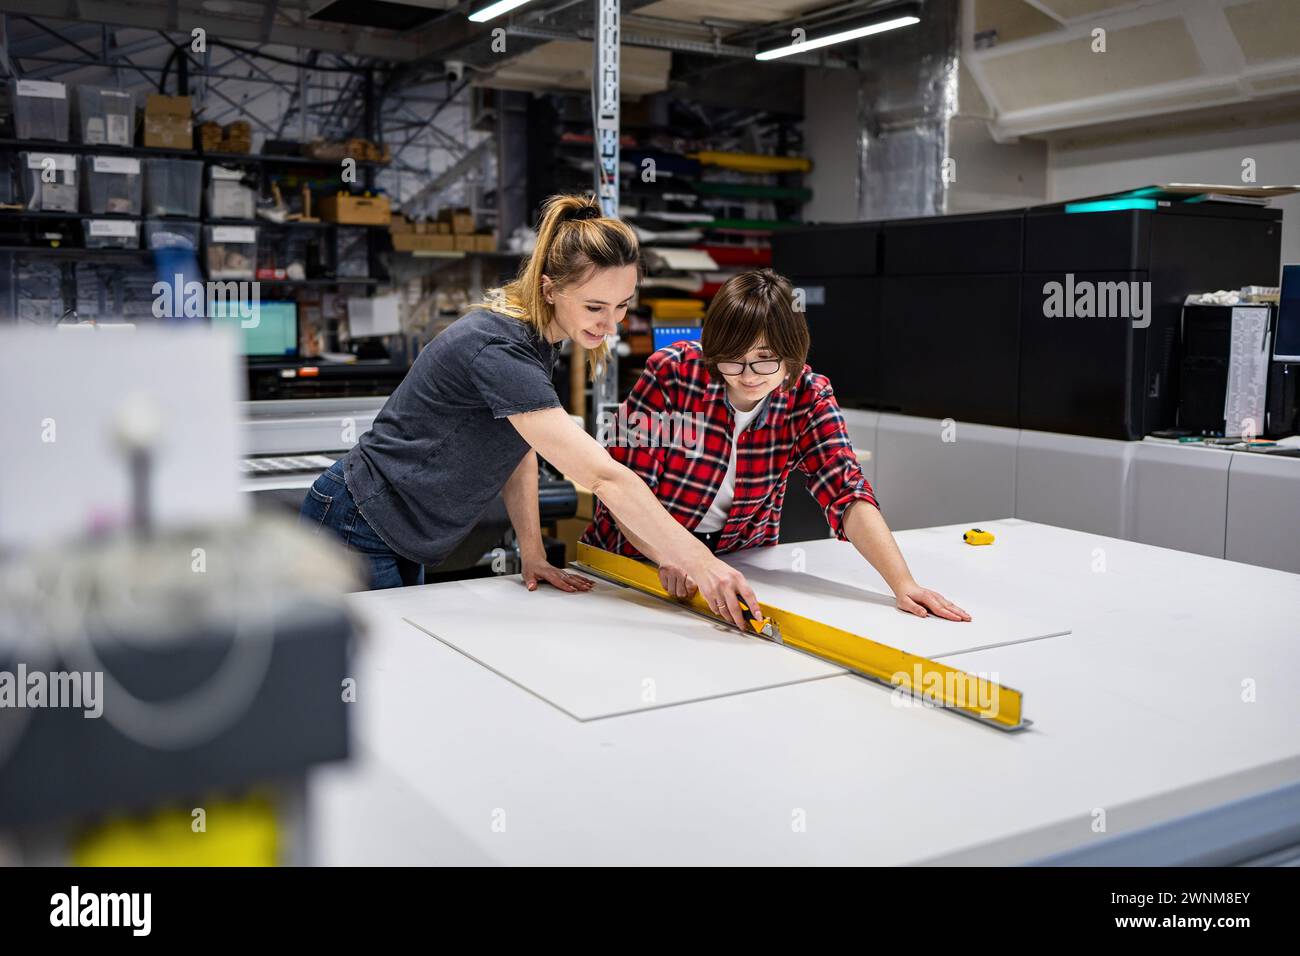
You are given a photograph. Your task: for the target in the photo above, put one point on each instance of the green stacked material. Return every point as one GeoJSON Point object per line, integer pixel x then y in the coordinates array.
{"type": "Point", "coordinates": [753, 191]}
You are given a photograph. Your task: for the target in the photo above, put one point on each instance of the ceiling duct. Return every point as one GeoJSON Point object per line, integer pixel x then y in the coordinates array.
{"type": "Point", "coordinates": [907, 97]}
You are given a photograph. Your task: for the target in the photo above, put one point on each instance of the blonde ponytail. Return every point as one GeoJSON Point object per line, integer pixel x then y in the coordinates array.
{"type": "Point", "coordinates": [573, 237]}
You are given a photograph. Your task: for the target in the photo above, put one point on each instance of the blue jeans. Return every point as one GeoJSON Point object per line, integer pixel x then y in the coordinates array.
{"type": "Point", "coordinates": [329, 504]}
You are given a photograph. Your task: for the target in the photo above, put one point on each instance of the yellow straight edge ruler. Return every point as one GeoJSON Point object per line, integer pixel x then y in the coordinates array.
{"type": "Point", "coordinates": [967, 694]}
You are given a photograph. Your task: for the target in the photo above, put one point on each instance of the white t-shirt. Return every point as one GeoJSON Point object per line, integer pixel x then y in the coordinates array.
{"type": "Point", "coordinates": [716, 517]}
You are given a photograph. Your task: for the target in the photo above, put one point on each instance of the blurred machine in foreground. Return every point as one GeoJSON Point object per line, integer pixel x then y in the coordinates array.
{"type": "Point", "coordinates": [168, 697]}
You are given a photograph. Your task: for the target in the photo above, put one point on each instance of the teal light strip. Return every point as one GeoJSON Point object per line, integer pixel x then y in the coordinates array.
{"type": "Point", "coordinates": [1110, 205]}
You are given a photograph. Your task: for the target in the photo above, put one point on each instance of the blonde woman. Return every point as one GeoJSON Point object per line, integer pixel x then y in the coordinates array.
{"type": "Point", "coordinates": [477, 406]}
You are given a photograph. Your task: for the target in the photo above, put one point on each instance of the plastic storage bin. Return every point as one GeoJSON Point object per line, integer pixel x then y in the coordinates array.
{"type": "Point", "coordinates": [111, 184]}
{"type": "Point", "coordinates": [39, 292]}
{"type": "Point", "coordinates": [228, 197]}
{"type": "Point", "coordinates": [111, 233]}
{"type": "Point", "coordinates": [172, 187]}
{"type": "Point", "coordinates": [171, 235]}
{"type": "Point", "coordinates": [40, 109]}
{"type": "Point", "coordinates": [231, 251]}
{"type": "Point", "coordinates": [104, 116]}
{"type": "Point", "coordinates": [49, 181]}
{"type": "Point", "coordinates": [136, 297]}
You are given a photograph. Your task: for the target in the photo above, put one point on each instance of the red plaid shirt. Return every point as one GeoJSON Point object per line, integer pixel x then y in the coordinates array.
{"type": "Point", "coordinates": [799, 428]}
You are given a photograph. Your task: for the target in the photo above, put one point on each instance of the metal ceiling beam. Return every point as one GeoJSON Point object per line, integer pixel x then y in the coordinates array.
{"type": "Point", "coordinates": [815, 19]}
{"type": "Point", "coordinates": [675, 44]}
{"type": "Point", "coordinates": [388, 46]}
{"type": "Point", "coordinates": [635, 39]}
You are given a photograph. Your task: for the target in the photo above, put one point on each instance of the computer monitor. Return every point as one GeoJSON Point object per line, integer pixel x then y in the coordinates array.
{"type": "Point", "coordinates": [1286, 341]}
{"type": "Point", "coordinates": [272, 330]}
{"type": "Point", "coordinates": [666, 335]}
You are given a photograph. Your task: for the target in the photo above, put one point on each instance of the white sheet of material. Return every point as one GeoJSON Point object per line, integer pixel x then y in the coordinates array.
{"type": "Point", "coordinates": [1142, 712]}
{"type": "Point", "coordinates": [838, 587]}
{"type": "Point", "coordinates": [609, 651]}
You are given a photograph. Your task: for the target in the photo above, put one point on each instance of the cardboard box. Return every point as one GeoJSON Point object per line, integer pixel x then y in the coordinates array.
{"type": "Point", "coordinates": [465, 242]}
{"type": "Point", "coordinates": [413, 242]}
{"type": "Point", "coordinates": [460, 221]}
{"type": "Point", "coordinates": [237, 137]}
{"type": "Point", "coordinates": [168, 123]}
{"type": "Point", "coordinates": [400, 223]}
{"type": "Point", "coordinates": [485, 242]}
{"type": "Point", "coordinates": [209, 137]}
{"type": "Point", "coordinates": [443, 228]}
{"type": "Point", "coordinates": [356, 210]}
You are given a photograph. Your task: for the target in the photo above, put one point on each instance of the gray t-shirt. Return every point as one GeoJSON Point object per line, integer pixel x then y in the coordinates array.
{"type": "Point", "coordinates": [441, 448]}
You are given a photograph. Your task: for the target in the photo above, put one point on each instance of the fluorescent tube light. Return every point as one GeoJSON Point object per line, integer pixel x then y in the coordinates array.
{"type": "Point", "coordinates": [495, 10]}
{"type": "Point", "coordinates": [841, 37]}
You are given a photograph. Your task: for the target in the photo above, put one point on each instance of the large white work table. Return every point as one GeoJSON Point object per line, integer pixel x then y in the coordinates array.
{"type": "Point", "coordinates": [1164, 690]}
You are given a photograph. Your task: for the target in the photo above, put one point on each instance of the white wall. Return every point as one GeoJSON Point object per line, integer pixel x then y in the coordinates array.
{"type": "Point", "coordinates": [830, 132]}
{"type": "Point", "coordinates": [1205, 157]}
{"type": "Point", "coordinates": [991, 175]}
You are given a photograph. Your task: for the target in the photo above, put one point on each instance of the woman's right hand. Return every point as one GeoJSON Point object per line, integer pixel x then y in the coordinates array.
{"type": "Point", "coordinates": [719, 584]}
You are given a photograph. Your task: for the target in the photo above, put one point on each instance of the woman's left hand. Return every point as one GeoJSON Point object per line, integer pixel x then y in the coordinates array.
{"type": "Point", "coordinates": [535, 572]}
{"type": "Point", "coordinates": [922, 602]}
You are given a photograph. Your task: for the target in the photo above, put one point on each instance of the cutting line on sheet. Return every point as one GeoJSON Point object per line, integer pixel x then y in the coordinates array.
{"type": "Point", "coordinates": [1016, 643]}
{"type": "Point", "coordinates": [621, 713]}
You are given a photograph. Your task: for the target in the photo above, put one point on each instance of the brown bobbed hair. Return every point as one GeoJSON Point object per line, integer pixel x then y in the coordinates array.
{"type": "Point", "coordinates": [574, 238]}
{"type": "Point", "coordinates": [753, 306]}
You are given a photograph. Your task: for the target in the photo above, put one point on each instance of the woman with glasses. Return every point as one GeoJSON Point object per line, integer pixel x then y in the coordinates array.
{"type": "Point", "coordinates": [761, 411]}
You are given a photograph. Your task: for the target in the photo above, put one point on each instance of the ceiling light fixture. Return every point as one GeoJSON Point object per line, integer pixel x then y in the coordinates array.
{"type": "Point", "coordinates": [896, 20]}
{"type": "Point", "coordinates": [495, 10]}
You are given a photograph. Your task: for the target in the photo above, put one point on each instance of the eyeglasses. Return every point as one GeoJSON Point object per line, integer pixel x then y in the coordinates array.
{"type": "Point", "coordinates": [761, 367]}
